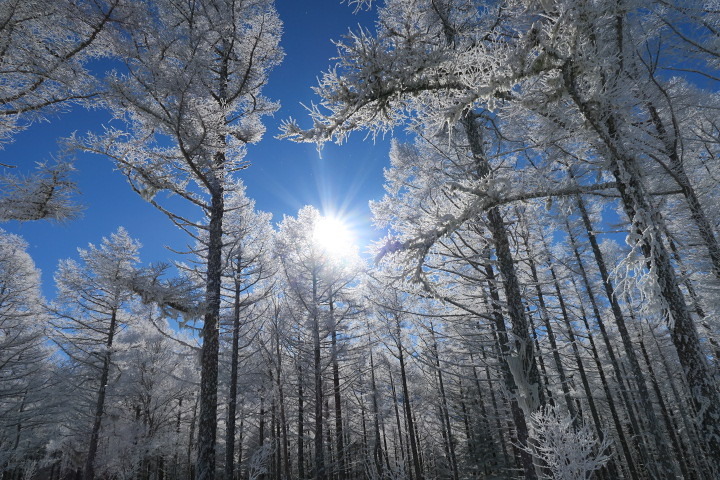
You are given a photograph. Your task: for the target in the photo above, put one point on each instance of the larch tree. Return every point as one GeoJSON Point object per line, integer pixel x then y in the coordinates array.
{"type": "Point", "coordinates": [315, 281]}
{"type": "Point", "coordinates": [596, 67]}
{"type": "Point", "coordinates": [187, 105]}
{"type": "Point", "coordinates": [45, 48]}
{"type": "Point", "coordinates": [156, 375]}
{"type": "Point", "coordinates": [578, 74]}
{"type": "Point", "coordinates": [24, 357]}
{"type": "Point", "coordinates": [89, 311]}
{"type": "Point", "coordinates": [407, 74]}
{"type": "Point", "coordinates": [46, 193]}
{"type": "Point", "coordinates": [248, 275]}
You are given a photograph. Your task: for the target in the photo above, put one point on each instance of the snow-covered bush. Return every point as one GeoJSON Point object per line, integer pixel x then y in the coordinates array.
{"type": "Point", "coordinates": [567, 451]}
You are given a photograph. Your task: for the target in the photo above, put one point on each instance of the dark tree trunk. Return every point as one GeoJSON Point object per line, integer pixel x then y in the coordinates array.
{"type": "Point", "coordinates": [207, 431]}
{"type": "Point", "coordinates": [545, 316]}
{"type": "Point", "coordinates": [677, 172]}
{"type": "Point", "coordinates": [191, 440]}
{"type": "Point", "coordinates": [445, 416]}
{"type": "Point", "coordinates": [541, 362]}
{"type": "Point", "coordinates": [503, 350]}
{"type": "Point", "coordinates": [320, 473]}
{"type": "Point", "coordinates": [699, 455]}
{"type": "Point", "coordinates": [402, 459]}
{"type": "Point", "coordinates": [340, 447]}
{"type": "Point", "coordinates": [677, 444]}
{"type": "Point", "coordinates": [525, 374]}
{"type": "Point", "coordinates": [232, 396]}
{"type": "Point", "coordinates": [301, 426]}
{"type": "Point", "coordinates": [624, 444]}
{"type": "Point", "coordinates": [645, 220]}
{"type": "Point", "coordinates": [89, 472]}
{"type": "Point", "coordinates": [283, 416]}
{"type": "Point", "coordinates": [408, 412]}
{"type": "Point", "coordinates": [377, 447]}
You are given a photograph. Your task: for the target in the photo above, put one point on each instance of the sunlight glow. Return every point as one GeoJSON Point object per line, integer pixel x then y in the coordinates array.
{"type": "Point", "coordinates": [334, 237]}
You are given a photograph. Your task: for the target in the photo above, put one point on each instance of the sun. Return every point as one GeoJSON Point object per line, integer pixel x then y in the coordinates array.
{"type": "Point", "coordinates": [334, 237]}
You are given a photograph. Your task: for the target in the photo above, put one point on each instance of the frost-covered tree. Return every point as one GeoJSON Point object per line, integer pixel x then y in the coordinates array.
{"type": "Point", "coordinates": [89, 311]}
{"type": "Point", "coordinates": [248, 275]}
{"type": "Point", "coordinates": [316, 284]}
{"type": "Point", "coordinates": [569, 452]}
{"type": "Point", "coordinates": [149, 405]}
{"type": "Point", "coordinates": [578, 86]}
{"type": "Point", "coordinates": [186, 106]}
{"type": "Point", "coordinates": [410, 73]}
{"type": "Point", "coordinates": [24, 357]}
{"type": "Point", "coordinates": [44, 194]}
{"type": "Point", "coordinates": [45, 46]}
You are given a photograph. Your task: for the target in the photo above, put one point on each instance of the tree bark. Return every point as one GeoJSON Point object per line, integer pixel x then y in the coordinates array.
{"type": "Point", "coordinates": [645, 220]}
{"type": "Point", "coordinates": [232, 395]}
{"type": "Point", "coordinates": [207, 431]}
{"type": "Point", "coordinates": [417, 469]}
{"type": "Point", "coordinates": [599, 364]}
{"type": "Point", "coordinates": [525, 372]}
{"type": "Point", "coordinates": [544, 315]}
{"type": "Point", "coordinates": [445, 416]}
{"type": "Point", "coordinates": [340, 447]}
{"type": "Point", "coordinates": [377, 447]}
{"type": "Point", "coordinates": [89, 471]}
{"type": "Point", "coordinates": [320, 473]}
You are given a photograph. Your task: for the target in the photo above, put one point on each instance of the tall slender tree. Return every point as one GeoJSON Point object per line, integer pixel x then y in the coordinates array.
{"type": "Point", "coordinates": [89, 312]}
{"type": "Point", "coordinates": [188, 104]}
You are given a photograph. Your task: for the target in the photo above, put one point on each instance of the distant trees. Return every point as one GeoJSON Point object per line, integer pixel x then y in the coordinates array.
{"type": "Point", "coordinates": [515, 101]}
{"type": "Point", "coordinates": [248, 274]}
{"type": "Point", "coordinates": [316, 286]}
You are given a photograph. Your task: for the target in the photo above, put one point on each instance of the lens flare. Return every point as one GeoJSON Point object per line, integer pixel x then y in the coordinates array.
{"type": "Point", "coordinates": [334, 237]}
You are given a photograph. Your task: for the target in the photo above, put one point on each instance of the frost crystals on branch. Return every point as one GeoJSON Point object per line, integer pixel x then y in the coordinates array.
{"type": "Point", "coordinates": [568, 452]}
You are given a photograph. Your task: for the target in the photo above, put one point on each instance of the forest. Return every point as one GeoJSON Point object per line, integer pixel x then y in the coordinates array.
{"type": "Point", "coordinates": [545, 303]}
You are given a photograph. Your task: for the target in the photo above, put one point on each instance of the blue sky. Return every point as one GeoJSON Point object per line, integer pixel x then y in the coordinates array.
{"type": "Point", "coordinates": [283, 177]}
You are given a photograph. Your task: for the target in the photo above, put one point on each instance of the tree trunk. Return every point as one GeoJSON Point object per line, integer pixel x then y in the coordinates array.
{"type": "Point", "coordinates": [544, 315]}
{"type": "Point", "coordinates": [699, 454]}
{"type": "Point", "coordinates": [377, 447]}
{"type": "Point", "coordinates": [301, 426]}
{"type": "Point", "coordinates": [207, 431]}
{"type": "Point", "coordinates": [283, 416]}
{"type": "Point", "coordinates": [677, 171]}
{"type": "Point", "coordinates": [317, 372]}
{"type": "Point", "coordinates": [503, 350]}
{"type": "Point", "coordinates": [445, 416]}
{"type": "Point", "coordinates": [599, 364]}
{"type": "Point", "coordinates": [678, 445]}
{"type": "Point", "coordinates": [232, 396]}
{"type": "Point", "coordinates": [645, 220]}
{"type": "Point", "coordinates": [340, 447]}
{"type": "Point", "coordinates": [576, 351]}
{"type": "Point", "coordinates": [191, 440]}
{"type": "Point", "coordinates": [89, 472]}
{"type": "Point", "coordinates": [541, 362]}
{"type": "Point", "coordinates": [417, 469]}
{"type": "Point", "coordinates": [402, 459]}
{"type": "Point", "coordinates": [524, 369]}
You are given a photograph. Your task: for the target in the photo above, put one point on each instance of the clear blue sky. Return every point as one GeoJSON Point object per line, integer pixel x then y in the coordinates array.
{"type": "Point", "coordinates": [284, 176]}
